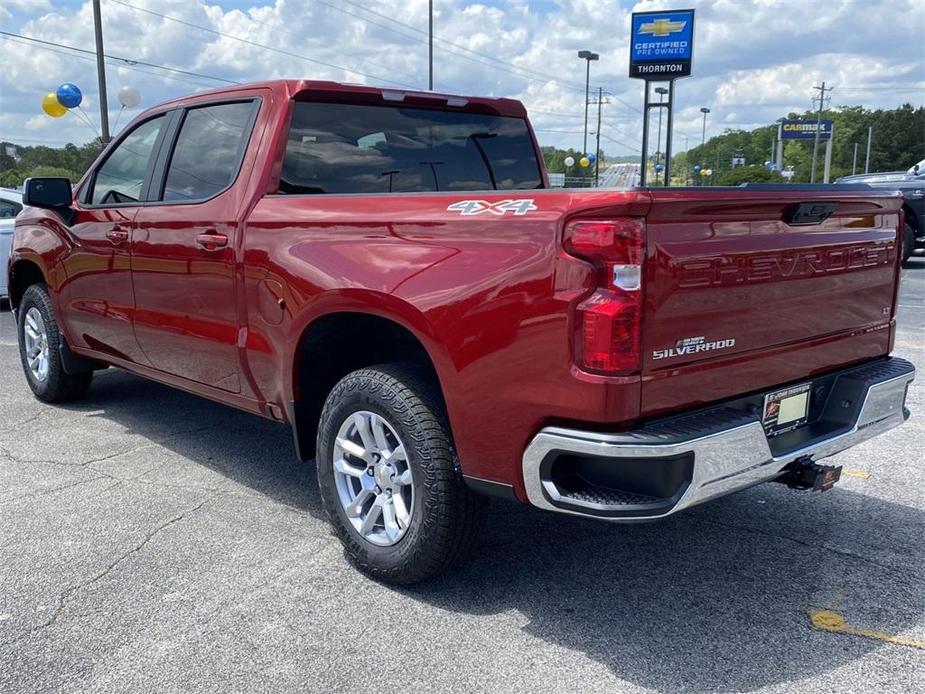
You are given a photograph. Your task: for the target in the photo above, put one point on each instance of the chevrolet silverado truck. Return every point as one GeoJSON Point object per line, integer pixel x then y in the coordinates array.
{"type": "Point", "coordinates": [389, 273]}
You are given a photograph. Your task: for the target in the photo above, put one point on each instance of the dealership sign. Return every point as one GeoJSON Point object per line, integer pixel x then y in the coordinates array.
{"type": "Point", "coordinates": [661, 44]}
{"type": "Point", "coordinates": [805, 130]}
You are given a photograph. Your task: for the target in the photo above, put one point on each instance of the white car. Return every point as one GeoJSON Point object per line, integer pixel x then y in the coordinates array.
{"type": "Point", "coordinates": [10, 206]}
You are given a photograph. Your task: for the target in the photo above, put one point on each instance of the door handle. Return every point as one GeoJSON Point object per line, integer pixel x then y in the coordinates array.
{"type": "Point", "coordinates": [211, 241]}
{"type": "Point", "coordinates": [117, 235]}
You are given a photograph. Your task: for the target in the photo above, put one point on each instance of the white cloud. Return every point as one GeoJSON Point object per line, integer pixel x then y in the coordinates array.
{"type": "Point", "coordinates": [754, 61]}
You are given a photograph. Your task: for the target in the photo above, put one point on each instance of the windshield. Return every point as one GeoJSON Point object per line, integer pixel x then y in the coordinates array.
{"type": "Point", "coordinates": [351, 148]}
{"type": "Point", "coordinates": [918, 168]}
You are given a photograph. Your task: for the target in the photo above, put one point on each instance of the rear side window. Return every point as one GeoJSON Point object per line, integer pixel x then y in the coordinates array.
{"type": "Point", "coordinates": [120, 178]}
{"type": "Point", "coordinates": [9, 209]}
{"type": "Point", "coordinates": [208, 152]}
{"type": "Point", "coordinates": [348, 148]}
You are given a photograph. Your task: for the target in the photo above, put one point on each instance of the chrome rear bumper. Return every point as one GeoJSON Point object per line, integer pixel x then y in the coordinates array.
{"type": "Point", "coordinates": [711, 452]}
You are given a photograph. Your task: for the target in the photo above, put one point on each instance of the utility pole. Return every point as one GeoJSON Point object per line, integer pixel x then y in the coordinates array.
{"type": "Point", "coordinates": [597, 149]}
{"type": "Point", "coordinates": [870, 135]}
{"type": "Point", "coordinates": [430, 44]}
{"type": "Point", "coordinates": [854, 161]}
{"type": "Point", "coordinates": [822, 90]}
{"type": "Point", "coordinates": [101, 73]}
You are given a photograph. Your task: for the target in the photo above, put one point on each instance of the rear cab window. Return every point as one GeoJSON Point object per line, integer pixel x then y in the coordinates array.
{"type": "Point", "coordinates": [352, 148]}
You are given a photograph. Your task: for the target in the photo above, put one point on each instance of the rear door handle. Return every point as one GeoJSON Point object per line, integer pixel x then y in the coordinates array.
{"type": "Point", "coordinates": [211, 241]}
{"type": "Point", "coordinates": [117, 235]}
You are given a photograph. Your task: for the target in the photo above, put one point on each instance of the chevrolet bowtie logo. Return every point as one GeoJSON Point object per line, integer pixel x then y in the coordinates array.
{"type": "Point", "coordinates": [662, 27]}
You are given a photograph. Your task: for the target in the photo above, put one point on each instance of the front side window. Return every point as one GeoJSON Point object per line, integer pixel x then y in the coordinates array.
{"type": "Point", "coordinates": [208, 152]}
{"type": "Point", "coordinates": [349, 148]}
{"type": "Point", "coordinates": [120, 178]}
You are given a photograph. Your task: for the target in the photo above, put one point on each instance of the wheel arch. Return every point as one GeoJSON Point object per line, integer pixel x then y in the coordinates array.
{"type": "Point", "coordinates": [337, 342]}
{"type": "Point", "coordinates": [24, 272]}
{"type": "Point", "coordinates": [912, 217]}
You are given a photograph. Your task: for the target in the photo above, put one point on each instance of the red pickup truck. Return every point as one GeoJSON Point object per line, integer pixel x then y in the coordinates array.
{"type": "Point", "coordinates": [389, 273]}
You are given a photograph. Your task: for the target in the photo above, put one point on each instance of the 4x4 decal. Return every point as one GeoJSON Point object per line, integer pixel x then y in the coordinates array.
{"type": "Point", "coordinates": [468, 208]}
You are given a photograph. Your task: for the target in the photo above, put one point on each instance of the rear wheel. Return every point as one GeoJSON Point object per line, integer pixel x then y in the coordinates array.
{"type": "Point", "coordinates": [39, 342]}
{"type": "Point", "coordinates": [389, 476]}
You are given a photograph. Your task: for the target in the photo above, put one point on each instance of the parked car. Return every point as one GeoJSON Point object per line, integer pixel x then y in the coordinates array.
{"type": "Point", "coordinates": [10, 206]}
{"type": "Point", "coordinates": [389, 273]}
{"type": "Point", "coordinates": [911, 184]}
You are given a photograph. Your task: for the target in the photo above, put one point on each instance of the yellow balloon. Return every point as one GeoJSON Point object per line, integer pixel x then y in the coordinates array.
{"type": "Point", "coordinates": [52, 106]}
{"type": "Point", "coordinates": [584, 162]}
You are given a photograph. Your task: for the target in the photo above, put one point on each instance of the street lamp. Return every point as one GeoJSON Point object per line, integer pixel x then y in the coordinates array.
{"type": "Point", "coordinates": [661, 91]}
{"type": "Point", "coordinates": [703, 137]}
{"type": "Point", "coordinates": [587, 56]}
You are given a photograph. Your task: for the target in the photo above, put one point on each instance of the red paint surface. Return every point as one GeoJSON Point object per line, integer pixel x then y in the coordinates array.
{"type": "Point", "coordinates": [490, 297]}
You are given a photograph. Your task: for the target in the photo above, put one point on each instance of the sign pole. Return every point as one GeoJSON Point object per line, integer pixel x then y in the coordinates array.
{"type": "Point", "coordinates": [780, 148]}
{"type": "Point", "coordinates": [667, 173]}
{"type": "Point", "coordinates": [645, 137]}
{"type": "Point", "coordinates": [661, 50]}
{"type": "Point", "coordinates": [828, 158]}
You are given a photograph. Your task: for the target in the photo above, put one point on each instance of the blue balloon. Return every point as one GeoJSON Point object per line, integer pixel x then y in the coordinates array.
{"type": "Point", "coordinates": [696, 168]}
{"type": "Point", "coordinates": [592, 158]}
{"type": "Point", "coordinates": [69, 95]}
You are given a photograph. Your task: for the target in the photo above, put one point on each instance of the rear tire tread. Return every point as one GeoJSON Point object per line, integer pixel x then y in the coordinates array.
{"type": "Point", "coordinates": [452, 514]}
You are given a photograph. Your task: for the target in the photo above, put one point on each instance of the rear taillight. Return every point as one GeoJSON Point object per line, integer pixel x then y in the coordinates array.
{"type": "Point", "coordinates": [607, 323]}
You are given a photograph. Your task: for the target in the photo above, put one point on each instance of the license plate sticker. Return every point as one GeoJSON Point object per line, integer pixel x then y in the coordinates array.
{"type": "Point", "coordinates": [785, 410]}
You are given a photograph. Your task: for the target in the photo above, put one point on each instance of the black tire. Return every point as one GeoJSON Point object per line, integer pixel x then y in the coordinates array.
{"type": "Point", "coordinates": [908, 242]}
{"type": "Point", "coordinates": [446, 515]}
{"type": "Point", "coordinates": [58, 385]}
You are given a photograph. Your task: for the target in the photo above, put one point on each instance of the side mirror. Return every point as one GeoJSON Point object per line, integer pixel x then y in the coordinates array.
{"type": "Point", "coordinates": [50, 193]}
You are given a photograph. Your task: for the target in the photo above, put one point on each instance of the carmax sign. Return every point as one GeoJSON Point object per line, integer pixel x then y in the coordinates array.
{"type": "Point", "coordinates": [805, 130]}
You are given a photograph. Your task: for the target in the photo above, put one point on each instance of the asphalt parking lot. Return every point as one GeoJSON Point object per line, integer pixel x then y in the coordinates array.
{"type": "Point", "coordinates": [151, 541]}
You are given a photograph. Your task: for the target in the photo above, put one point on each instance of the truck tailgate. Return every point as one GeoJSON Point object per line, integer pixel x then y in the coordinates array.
{"type": "Point", "coordinates": [741, 296]}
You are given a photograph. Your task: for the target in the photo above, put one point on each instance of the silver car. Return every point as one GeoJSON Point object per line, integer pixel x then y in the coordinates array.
{"type": "Point", "coordinates": [10, 206]}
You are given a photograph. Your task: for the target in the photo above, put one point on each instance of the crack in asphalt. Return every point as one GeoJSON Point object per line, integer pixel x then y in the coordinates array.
{"type": "Point", "coordinates": [844, 553]}
{"type": "Point", "coordinates": [67, 595]}
{"type": "Point", "coordinates": [52, 490]}
{"type": "Point", "coordinates": [9, 455]}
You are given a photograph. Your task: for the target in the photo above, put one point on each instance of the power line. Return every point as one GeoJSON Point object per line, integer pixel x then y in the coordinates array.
{"type": "Point", "coordinates": [618, 142]}
{"type": "Point", "coordinates": [115, 63]}
{"type": "Point", "coordinates": [548, 78]}
{"type": "Point", "coordinates": [622, 133]}
{"type": "Point", "coordinates": [128, 61]}
{"type": "Point", "coordinates": [261, 45]}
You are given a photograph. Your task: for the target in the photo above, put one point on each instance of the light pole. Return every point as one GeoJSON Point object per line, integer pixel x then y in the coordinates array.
{"type": "Point", "coordinates": [703, 134]}
{"type": "Point", "coordinates": [430, 45]}
{"type": "Point", "coordinates": [661, 91]}
{"type": "Point", "coordinates": [587, 56]}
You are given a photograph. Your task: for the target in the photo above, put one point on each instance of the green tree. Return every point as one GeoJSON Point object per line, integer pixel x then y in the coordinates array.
{"type": "Point", "coordinates": [748, 174]}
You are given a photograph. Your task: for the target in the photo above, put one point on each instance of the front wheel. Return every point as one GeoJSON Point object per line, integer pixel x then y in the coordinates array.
{"type": "Point", "coordinates": [389, 476]}
{"type": "Point", "coordinates": [39, 350]}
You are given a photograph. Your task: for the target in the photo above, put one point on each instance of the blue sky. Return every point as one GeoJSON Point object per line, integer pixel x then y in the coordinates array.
{"type": "Point", "coordinates": [754, 61]}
